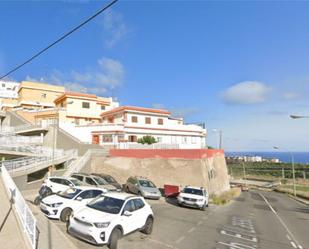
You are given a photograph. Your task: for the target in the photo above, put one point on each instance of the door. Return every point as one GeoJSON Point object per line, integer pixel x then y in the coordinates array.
{"type": "Point", "coordinates": [129, 222]}
{"type": "Point", "coordinates": [95, 139]}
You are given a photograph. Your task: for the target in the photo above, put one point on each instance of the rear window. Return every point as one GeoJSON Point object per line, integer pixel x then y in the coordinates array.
{"type": "Point", "coordinates": [193, 191]}
{"type": "Point", "coordinates": [69, 193]}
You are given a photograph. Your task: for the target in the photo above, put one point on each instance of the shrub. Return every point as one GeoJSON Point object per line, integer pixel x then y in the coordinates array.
{"type": "Point", "coordinates": [147, 140]}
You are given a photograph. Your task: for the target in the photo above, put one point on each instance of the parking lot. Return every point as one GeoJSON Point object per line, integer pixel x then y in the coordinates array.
{"type": "Point", "coordinates": [175, 227]}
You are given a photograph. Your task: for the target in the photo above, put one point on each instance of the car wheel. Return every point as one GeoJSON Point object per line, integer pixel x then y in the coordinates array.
{"type": "Point", "coordinates": [147, 229]}
{"type": "Point", "coordinates": [37, 200]}
{"type": "Point", "coordinates": [65, 214]}
{"type": "Point", "coordinates": [113, 240]}
{"type": "Point", "coordinates": [204, 207]}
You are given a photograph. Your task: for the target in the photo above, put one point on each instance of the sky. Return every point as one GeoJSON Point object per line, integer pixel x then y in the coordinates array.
{"type": "Point", "coordinates": [239, 66]}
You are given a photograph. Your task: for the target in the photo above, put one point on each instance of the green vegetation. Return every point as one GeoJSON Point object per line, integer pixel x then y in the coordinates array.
{"type": "Point", "coordinates": [225, 197]}
{"type": "Point", "coordinates": [147, 140]}
{"type": "Point", "coordinates": [266, 170]}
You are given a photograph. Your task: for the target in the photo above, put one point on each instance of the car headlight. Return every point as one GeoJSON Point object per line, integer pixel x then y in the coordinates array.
{"type": "Point", "coordinates": [55, 205]}
{"type": "Point", "coordinates": [200, 200]}
{"type": "Point", "coordinates": [101, 224]}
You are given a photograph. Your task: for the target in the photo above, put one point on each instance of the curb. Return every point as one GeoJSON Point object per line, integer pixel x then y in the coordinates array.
{"type": "Point", "coordinates": [303, 201]}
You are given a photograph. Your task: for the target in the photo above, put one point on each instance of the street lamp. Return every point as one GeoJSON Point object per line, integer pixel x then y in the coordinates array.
{"type": "Point", "coordinates": [298, 116]}
{"type": "Point", "coordinates": [219, 132]}
{"type": "Point", "coordinates": [293, 168]}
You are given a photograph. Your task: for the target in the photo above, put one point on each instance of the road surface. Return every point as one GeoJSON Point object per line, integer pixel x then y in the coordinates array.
{"type": "Point", "coordinates": [256, 219]}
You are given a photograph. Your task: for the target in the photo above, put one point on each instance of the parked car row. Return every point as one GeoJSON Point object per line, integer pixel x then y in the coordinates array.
{"type": "Point", "coordinates": [96, 209]}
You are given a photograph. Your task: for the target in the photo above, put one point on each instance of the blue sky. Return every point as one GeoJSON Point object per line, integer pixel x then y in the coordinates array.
{"type": "Point", "coordinates": [239, 66]}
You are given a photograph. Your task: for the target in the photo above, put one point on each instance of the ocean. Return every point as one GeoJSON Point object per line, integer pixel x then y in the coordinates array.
{"type": "Point", "coordinates": [299, 157]}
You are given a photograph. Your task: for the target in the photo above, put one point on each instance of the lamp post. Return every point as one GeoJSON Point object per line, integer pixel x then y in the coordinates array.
{"type": "Point", "coordinates": [219, 143]}
{"type": "Point", "coordinates": [293, 168]}
{"type": "Point", "coordinates": [298, 116]}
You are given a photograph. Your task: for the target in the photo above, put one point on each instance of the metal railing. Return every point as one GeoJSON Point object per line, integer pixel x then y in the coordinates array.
{"type": "Point", "coordinates": [145, 146]}
{"type": "Point", "coordinates": [38, 150]}
{"type": "Point", "coordinates": [20, 140]}
{"type": "Point", "coordinates": [24, 213]}
{"type": "Point", "coordinates": [25, 163]}
{"type": "Point", "coordinates": [77, 165]}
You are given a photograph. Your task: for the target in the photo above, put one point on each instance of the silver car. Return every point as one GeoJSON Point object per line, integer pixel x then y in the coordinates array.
{"type": "Point", "coordinates": [142, 186]}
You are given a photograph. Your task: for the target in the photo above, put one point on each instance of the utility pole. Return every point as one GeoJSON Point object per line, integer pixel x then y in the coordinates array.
{"type": "Point", "coordinates": [220, 139]}
{"type": "Point", "coordinates": [244, 172]}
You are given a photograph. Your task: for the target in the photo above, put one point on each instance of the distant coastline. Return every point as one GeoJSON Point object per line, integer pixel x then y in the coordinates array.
{"type": "Point", "coordinates": [299, 157]}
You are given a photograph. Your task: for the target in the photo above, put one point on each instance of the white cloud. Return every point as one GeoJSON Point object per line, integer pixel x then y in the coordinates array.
{"type": "Point", "coordinates": [107, 75]}
{"type": "Point", "coordinates": [290, 96]}
{"type": "Point", "coordinates": [247, 92]}
{"type": "Point", "coordinates": [115, 29]}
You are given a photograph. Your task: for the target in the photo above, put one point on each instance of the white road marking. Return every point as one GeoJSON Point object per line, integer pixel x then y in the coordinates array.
{"type": "Point", "coordinates": [289, 238]}
{"type": "Point", "coordinates": [180, 239]}
{"type": "Point", "coordinates": [234, 245]}
{"type": "Point", "coordinates": [239, 236]}
{"type": "Point", "coordinates": [282, 222]}
{"type": "Point", "coordinates": [300, 247]}
{"type": "Point", "coordinates": [293, 244]}
{"type": "Point", "coordinates": [192, 229]}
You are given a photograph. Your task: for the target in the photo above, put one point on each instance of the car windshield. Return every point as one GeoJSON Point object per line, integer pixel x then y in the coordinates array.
{"type": "Point", "coordinates": [106, 204]}
{"type": "Point", "coordinates": [100, 180]}
{"type": "Point", "coordinates": [146, 184]}
{"type": "Point", "coordinates": [70, 193]}
{"type": "Point", "coordinates": [193, 191]}
{"type": "Point", "coordinates": [110, 179]}
{"type": "Point", "coordinates": [76, 182]}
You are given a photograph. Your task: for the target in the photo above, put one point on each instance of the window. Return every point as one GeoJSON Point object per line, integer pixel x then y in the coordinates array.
{"type": "Point", "coordinates": [138, 203]}
{"type": "Point", "coordinates": [110, 119]}
{"type": "Point", "coordinates": [55, 180]}
{"type": "Point", "coordinates": [86, 105]}
{"type": "Point", "coordinates": [134, 119]}
{"type": "Point", "coordinates": [90, 194]}
{"type": "Point", "coordinates": [159, 139]}
{"type": "Point", "coordinates": [65, 182]}
{"type": "Point", "coordinates": [102, 107]}
{"type": "Point", "coordinates": [160, 121]}
{"type": "Point", "coordinates": [132, 138]}
{"type": "Point", "coordinates": [78, 177]}
{"type": "Point", "coordinates": [147, 120]}
{"type": "Point", "coordinates": [107, 138]}
{"type": "Point", "coordinates": [184, 140]}
{"type": "Point", "coordinates": [90, 181]}
{"type": "Point", "coordinates": [43, 95]}
{"type": "Point", "coordinates": [129, 206]}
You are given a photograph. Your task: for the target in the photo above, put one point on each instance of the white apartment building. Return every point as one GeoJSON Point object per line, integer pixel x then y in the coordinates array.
{"type": "Point", "coordinates": [8, 89]}
{"type": "Point", "coordinates": [123, 126]}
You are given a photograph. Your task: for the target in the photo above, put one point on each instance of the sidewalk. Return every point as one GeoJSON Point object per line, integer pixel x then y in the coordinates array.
{"type": "Point", "coordinates": [11, 234]}
{"type": "Point", "coordinates": [50, 236]}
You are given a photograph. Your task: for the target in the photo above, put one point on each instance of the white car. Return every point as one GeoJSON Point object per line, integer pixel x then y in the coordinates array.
{"type": "Point", "coordinates": [58, 184]}
{"type": "Point", "coordinates": [105, 219]}
{"type": "Point", "coordinates": [61, 205]}
{"type": "Point", "coordinates": [193, 197]}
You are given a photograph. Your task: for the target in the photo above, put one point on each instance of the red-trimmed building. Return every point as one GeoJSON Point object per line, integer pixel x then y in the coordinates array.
{"type": "Point", "coordinates": [123, 126]}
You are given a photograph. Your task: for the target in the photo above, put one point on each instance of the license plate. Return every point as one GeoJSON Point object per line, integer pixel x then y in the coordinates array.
{"type": "Point", "coordinates": [189, 202]}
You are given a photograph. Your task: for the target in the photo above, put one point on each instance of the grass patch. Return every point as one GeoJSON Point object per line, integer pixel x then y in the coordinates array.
{"type": "Point", "coordinates": [225, 197]}
{"type": "Point", "coordinates": [298, 187]}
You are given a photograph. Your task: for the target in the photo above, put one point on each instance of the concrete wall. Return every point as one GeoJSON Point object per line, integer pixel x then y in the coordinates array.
{"type": "Point", "coordinates": [66, 141]}
{"type": "Point", "coordinates": [210, 172]}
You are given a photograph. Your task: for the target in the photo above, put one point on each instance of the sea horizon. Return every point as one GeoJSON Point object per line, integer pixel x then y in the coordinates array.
{"type": "Point", "coordinates": [299, 157]}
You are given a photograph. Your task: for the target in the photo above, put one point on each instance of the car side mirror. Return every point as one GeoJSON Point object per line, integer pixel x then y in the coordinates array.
{"type": "Point", "coordinates": [79, 198]}
{"type": "Point", "coordinates": [127, 213]}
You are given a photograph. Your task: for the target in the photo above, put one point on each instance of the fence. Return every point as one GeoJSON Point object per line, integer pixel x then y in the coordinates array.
{"type": "Point", "coordinates": [18, 140]}
{"type": "Point", "coordinates": [159, 146]}
{"type": "Point", "coordinates": [30, 162]}
{"type": "Point", "coordinates": [24, 213]}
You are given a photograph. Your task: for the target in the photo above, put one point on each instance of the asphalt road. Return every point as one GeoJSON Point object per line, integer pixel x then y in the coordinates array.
{"type": "Point", "coordinates": [254, 220]}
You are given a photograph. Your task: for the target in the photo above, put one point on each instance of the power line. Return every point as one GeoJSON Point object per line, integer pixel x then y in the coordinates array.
{"type": "Point", "coordinates": [59, 39]}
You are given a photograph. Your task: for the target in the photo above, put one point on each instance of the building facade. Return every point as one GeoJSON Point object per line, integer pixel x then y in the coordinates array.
{"type": "Point", "coordinates": [126, 124]}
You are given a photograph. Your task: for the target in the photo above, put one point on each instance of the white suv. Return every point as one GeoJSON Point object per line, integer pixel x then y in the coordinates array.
{"type": "Point", "coordinates": [105, 219]}
{"type": "Point", "coordinates": [58, 184]}
{"type": "Point", "coordinates": [61, 205]}
{"type": "Point", "coordinates": [193, 197]}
